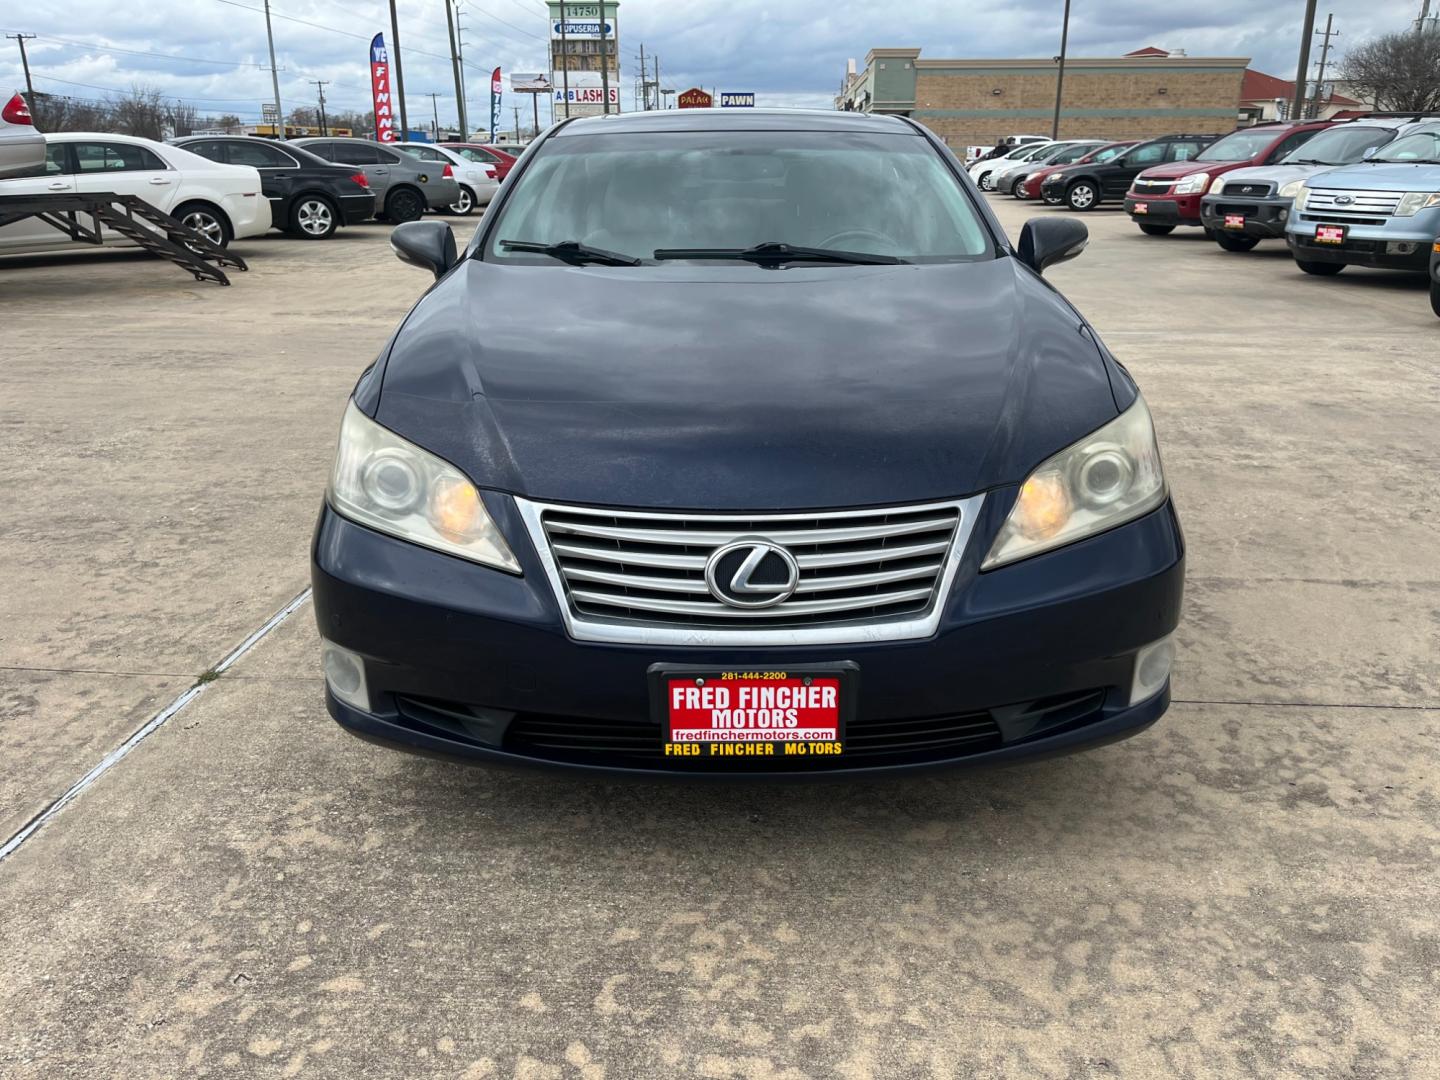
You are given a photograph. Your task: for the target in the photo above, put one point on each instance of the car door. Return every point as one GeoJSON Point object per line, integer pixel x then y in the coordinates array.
{"type": "Point", "coordinates": [1120, 173]}
{"type": "Point", "coordinates": [375, 163]}
{"type": "Point", "coordinates": [58, 178]}
{"type": "Point", "coordinates": [278, 170]}
{"type": "Point", "coordinates": [126, 169]}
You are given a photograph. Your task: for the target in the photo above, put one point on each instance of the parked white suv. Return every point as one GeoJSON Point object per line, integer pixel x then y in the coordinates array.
{"type": "Point", "coordinates": [983, 171]}
{"type": "Point", "coordinates": [224, 202]}
{"type": "Point", "coordinates": [22, 148]}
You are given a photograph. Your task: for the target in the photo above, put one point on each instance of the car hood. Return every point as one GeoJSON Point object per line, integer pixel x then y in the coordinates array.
{"type": "Point", "coordinates": [1279, 175]}
{"type": "Point", "coordinates": [1174, 170]}
{"type": "Point", "coordinates": [1380, 176]}
{"type": "Point", "coordinates": [741, 387]}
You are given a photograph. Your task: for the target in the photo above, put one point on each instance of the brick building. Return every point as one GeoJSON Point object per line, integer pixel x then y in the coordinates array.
{"type": "Point", "coordinates": [1145, 93]}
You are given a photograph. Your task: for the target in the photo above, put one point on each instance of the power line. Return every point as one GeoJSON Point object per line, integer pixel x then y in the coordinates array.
{"type": "Point", "coordinates": [143, 52]}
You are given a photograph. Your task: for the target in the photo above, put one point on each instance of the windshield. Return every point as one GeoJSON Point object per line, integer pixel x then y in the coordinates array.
{"type": "Point", "coordinates": [633, 193]}
{"type": "Point", "coordinates": [1423, 146]}
{"type": "Point", "coordinates": [1338, 146]}
{"type": "Point", "coordinates": [1030, 153]}
{"type": "Point", "coordinates": [1238, 146]}
{"type": "Point", "coordinates": [1108, 152]}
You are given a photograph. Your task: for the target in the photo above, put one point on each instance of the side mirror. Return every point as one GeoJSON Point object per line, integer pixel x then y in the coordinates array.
{"type": "Point", "coordinates": [429, 245]}
{"type": "Point", "coordinates": [1046, 241]}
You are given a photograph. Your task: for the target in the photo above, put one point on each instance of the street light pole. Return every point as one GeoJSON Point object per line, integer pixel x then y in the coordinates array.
{"type": "Point", "coordinates": [455, 63]}
{"type": "Point", "coordinates": [399, 71]}
{"type": "Point", "coordinates": [320, 85]}
{"type": "Point", "coordinates": [564, 60]}
{"type": "Point", "coordinates": [1060, 74]}
{"type": "Point", "coordinates": [1297, 109]}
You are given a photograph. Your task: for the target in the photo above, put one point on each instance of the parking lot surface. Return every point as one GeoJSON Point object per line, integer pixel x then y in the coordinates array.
{"type": "Point", "coordinates": [1247, 889]}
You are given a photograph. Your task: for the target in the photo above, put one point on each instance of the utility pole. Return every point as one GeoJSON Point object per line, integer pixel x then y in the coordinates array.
{"type": "Point", "coordinates": [1327, 34]}
{"type": "Point", "coordinates": [455, 63]}
{"type": "Point", "coordinates": [1297, 109]}
{"type": "Point", "coordinates": [659, 94]}
{"type": "Point", "coordinates": [1060, 72]}
{"type": "Point", "coordinates": [460, 29]}
{"type": "Point", "coordinates": [274, 77]}
{"type": "Point", "coordinates": [1419, 23]}
{"type": "Point", "coordinates": [29, 86]}
{"type": "Point", "coordinates": [644, 90]}
{"type": "Point", "coordinates": [605, 65]}
{"type": "Point", "coordinates": [399, 94]}
{"type": "Point", "coordinates": [516, 110]}
{"type": "Point", "coordinates": [320, 85]}
{"type": "Point", "coordinates": [435, 114]}
{"type": "Point", "coordinates": [564, 59]}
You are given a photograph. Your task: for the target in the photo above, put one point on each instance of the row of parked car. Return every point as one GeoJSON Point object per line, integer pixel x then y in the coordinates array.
{"type": "Point", "coordinates": [1361, 192]}
{"type": "Point", "coordinates": [234, 187]}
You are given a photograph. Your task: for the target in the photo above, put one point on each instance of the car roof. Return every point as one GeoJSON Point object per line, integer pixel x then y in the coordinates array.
{"type": "Point", "coordinates": [735, 120]}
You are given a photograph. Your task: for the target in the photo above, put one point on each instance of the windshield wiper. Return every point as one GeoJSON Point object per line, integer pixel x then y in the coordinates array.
{"type": "Point", "coordinates": [1307, 161]}
{"type": "Point", "coordinates": [773, 251]}
{"type": "Point", "coordinates": [573, 252]}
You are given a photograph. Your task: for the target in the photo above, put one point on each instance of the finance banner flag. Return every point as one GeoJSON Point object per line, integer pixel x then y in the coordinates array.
{"type": "Point", "coordinates": [496, 87]}
{"type": "Point", "coordinates": [380, 89]}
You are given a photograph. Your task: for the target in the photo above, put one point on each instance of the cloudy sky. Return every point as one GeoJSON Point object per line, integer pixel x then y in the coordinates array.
{"type": "Point", "coordinates": [791, 52]}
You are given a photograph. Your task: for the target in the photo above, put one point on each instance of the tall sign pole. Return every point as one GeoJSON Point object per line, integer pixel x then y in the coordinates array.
{"type": "Point", "coordinates": [29, 85]}
{"type": "Point", "coordinates": [1297, 109]}
{"type": "Point", "coordinates": [565, 59]}
{"type": "Point", "coordinates": [455, 62]}
{"type": "Point", "coordinates": [399, 72]}
{"type": "Point", "coordinates": [604, 65]}
{"type": "Point", "coordinates": [1328, 33]}
{"type": "Point", "coordinates": [274, 76]}
{"type": "Point", "coordinates": [1060, 73]}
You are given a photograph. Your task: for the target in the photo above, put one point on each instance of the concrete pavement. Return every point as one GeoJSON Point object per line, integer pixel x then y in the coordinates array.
{"type": "Point", "coordinates": [1246, 890]}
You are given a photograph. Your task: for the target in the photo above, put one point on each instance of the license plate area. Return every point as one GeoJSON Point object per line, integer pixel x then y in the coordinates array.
{"type": "Point", "coordinates": [753, 718]}
{"type": "Point", "coordinates": [1234, 221]}
{"type": "Point", "coordinates": [1140, 208]}
{"type": "Point", "coordinates": [1330, 234]}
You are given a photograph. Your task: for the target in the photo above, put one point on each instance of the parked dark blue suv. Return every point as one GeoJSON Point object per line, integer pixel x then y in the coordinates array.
{"type": "Point", "coordinates": [745, 445]}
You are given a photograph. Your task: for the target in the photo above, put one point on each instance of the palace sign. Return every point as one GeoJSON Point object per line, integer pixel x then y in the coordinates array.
{"type": "Point", "coordinates": [695, 98]}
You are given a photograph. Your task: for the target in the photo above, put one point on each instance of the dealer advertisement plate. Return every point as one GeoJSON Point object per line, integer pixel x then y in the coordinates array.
{"type": "Point", "coordinates": [1330, 234]}
{"type": "Point", "coordinates": [1139, 208]}
{"type": "Point", "coordinates": [1234, 221]}
{"type": "Point", "coordinates": [753, 717]}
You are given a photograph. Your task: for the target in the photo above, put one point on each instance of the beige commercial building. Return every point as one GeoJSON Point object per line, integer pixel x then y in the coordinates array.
{"type": "Point", "coordinates": [1139, 95]}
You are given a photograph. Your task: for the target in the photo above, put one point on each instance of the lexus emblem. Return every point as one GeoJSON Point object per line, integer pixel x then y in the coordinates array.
{"type": "Point", "coordinates": [752, 573]}
{"type": "Point", "coordinates": [1344, 200]}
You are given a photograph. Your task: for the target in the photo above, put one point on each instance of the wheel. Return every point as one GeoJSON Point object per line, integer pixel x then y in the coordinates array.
{"type": "Point", "coordinates": [1052, 200]}
{"type": "Point", "coordinates": [1232, 242]}
{"type": "Point", "coordinates": [466, 206]}
{"type": "Point", "coordinates": [1435, 296]}
{"type": "Point", "coordinates": [1081, 195]}
{"type": "Point", "coordinates": [1015, 188]}
{"type": "Point", "coordinates": [1157, 230]}
{"type": "Point", "coordinates": [404, 204]}
{"type": "Point", "coordinates": [206, 220]}
{"type": "Point", "coordinates": [1320, 269]}
{"type": "Point", "coordinates": [313, 218]}
{"type": "Point", "coordinates": [984, 181]}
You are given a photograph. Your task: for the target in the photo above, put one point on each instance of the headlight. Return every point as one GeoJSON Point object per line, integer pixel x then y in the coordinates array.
{"type": "Point", "coordinates": [1109, 477]}
{"type": "Point", "coordinates": [1192, 183]}
{"type": "Point", "coordinates": [1218, 183]}
{"type": "Point", "coordinates": [1302, 195]}
{"type": "Point", "coordinates": [1411, 203]}
{"type": "Point", "coordinates": [1292, 191]}
{"type": "Point", "coordinates": [382, 481]}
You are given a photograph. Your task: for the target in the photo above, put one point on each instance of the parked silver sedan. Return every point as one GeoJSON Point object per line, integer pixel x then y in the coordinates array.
{"type": "Point", "coordinates": [404, 186]}
{"type": "Point", "coordinates": [22, 148]}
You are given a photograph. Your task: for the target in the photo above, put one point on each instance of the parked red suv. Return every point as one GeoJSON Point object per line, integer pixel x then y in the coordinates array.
{"type": "Point", "coordinates": [486, 155]}
{"type": "Point", "coordinates": [1169, 195]}
{"type": "Point", "coordinates": [1029, 188]}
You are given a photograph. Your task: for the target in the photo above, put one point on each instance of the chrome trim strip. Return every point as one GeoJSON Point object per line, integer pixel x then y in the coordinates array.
{"type": "Point", "coordinates": [582, 628]}
{"type": "Point", "coordinates": [710, 609]}
{"type": "Point", "coordinates": [805, 536]}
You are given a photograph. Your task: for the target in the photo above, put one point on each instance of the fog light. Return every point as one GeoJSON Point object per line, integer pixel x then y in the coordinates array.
{"type": "Point", "coordinates": [1401, 247]}
{"type": "Point", "coordinates": [1284, 215]}
{"type": "Point", "coordinates": [1152, 668]}
{"type": "Point", "coordinates": [345, 675]}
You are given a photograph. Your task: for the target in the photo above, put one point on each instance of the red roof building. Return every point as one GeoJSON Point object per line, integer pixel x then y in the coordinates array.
{"type": "Point", "coordinates": [1264, 97]}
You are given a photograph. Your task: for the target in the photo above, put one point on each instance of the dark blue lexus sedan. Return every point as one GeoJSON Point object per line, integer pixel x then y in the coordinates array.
{"type": "Point", "coordinates": [741, 443]}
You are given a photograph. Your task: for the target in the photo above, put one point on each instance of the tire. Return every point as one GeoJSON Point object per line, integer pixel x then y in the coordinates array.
{"type": "Point", "coordinates": [1231, 242]}
{"type": "Point", "coordinates": [984, 182]}
{"type": "Point", "coordinates": [313, 218]}
{"type": "Point", "coordinates": [1082, 196]}
{"type": "Point", "coordinates": [1157, 230]}
{"type": "Point", "coordinates": [1320, 269]}
{"type": "Point", "coordinates": [404, 204]}
{"type": "Point", "coordinates": [466, 206]}
{"type": "Point", "coordinates": [1051, 200]}
{"type": "Point", "coordinates": [206, 220]}
{"type": "Point", "coordinates": [1435, 296]}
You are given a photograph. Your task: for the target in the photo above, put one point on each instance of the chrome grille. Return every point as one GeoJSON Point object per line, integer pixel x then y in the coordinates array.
{"type": "Point", "coordinates": [1366, 204]}
{"type": "Point", "coordinates": [1153, 187]}
{"type": "Point", "coordinates": [872, 574]}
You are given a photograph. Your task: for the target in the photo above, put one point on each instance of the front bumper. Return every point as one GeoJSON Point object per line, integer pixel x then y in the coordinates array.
{"type": "Point", "coordinates": [1265, 219]}
{"type": "Point", "coordinates": [1365, 245]}
{"type": "Point", "coordinates": [461, 661]}
{"type": "Point", "coordinates": [1163, 210]}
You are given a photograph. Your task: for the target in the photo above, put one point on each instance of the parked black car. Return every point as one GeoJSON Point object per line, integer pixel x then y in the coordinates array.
{"type": "Point", "coordinates": [1084, 187]}
{"type": "Point", "coordinates": [309, 197]}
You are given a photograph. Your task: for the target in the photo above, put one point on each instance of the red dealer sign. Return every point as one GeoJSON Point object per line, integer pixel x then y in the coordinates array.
{"type": "Point", "coordinates": [695, 98]}
{"type": "Point", "coordinates": [380, 87]}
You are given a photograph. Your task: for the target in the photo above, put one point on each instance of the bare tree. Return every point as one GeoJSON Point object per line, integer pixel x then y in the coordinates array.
{"type": "Point", "coordinates": [1399, 72]}
{"type": "Point", "coordinates": [140, 112]}
{"type": "Point", "coordinates": [73, 114]}
{"type": "Point", "coordinates": [304, 116]}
